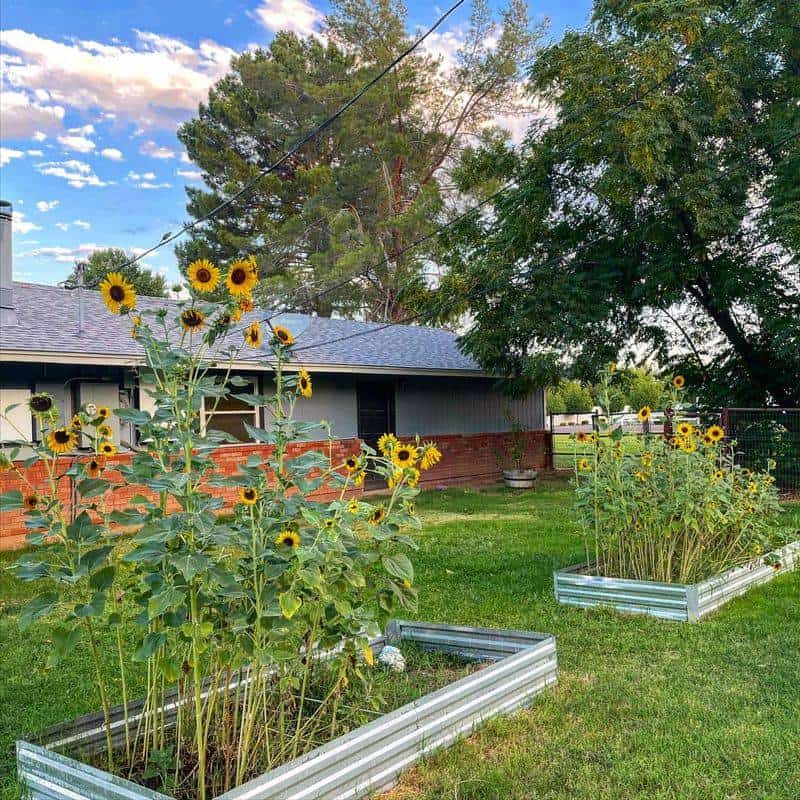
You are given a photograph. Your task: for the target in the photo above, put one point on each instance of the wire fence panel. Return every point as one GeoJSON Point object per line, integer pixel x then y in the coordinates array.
{"type": "Point", "coordinates": [767, 434]}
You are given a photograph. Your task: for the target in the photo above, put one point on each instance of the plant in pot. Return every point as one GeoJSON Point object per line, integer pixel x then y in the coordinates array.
{"type": "Point", "coordinates": [511, 458]}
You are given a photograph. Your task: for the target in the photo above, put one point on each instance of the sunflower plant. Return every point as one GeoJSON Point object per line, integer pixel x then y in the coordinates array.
{"type": "Point", "coordinates": [258, 594]}
{"type": "Point", "coordinates": [679, 509]}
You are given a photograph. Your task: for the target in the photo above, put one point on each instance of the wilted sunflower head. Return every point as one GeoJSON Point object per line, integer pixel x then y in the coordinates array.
{"type": "Point", "coordinates": [203, 275]}
{"type": "Point", "coordinates": [192, 319]}
{"type": "Point", "coordinates": [40, 403]}
{"type": "Point", "coordinates": [94, 467]}
{"type": "Point", "coordinates": [62, 440]}
{"type": "Point", "coordinates": [282, 335]}
{"type": "Point", "coordinates": [253, 336]}
{"type": "Point", "coordinates": [431, 455]}
{"type": "Point", "coordinates": [246, 304]}
{"type": "Point", "coordinates": [288, 538]}
{"type": "Point", "coordinates": [248, 495]}
{"type": "Point", "coordinates": [304, 383]}
{"type": "Point", "coordinates": [117, 292]}
{"type": "Point", "coordinates": [242, 278]}
{"type": "Point", "coordinates": [30, 501]}
{"type": "Point", "coordinates": [377, 516]}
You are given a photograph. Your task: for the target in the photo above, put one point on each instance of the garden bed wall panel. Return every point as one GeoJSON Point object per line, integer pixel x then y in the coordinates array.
{"type": "Point", "coordinates": [673, 601]}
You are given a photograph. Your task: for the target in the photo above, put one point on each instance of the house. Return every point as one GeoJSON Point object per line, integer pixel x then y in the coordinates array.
{"type": "Point", "coordinates": [367, 379]}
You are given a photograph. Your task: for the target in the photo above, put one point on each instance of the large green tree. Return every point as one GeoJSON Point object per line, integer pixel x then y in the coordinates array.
{"type": "Point", "coordinates": [376, 180]}
{"type": "Point", "coordinates": [659, 211]}
{"type": "Point", "coordinates": [112, 259]}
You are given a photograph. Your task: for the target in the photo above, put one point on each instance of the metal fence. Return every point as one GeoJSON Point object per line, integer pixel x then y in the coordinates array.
{"type": "Point", "coordinates": [764, 434]}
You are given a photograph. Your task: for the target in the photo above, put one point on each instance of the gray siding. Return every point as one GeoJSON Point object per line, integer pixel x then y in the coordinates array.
{"type": "Point", "coordinates": [431, 406]}
{"type": "Point", "coordinates": [334, 399]}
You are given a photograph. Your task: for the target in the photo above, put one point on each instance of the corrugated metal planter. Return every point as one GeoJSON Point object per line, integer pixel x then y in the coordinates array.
{"type": "Point", "coordinates": [365, 761]}
{"type": "Point", "coordinates": [675, 601]}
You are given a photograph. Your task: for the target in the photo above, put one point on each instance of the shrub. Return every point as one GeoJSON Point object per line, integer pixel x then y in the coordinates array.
{"type": "Point", "coordinates": [259, 593]}
{"type": "Point", "coordinates": [680, 510]}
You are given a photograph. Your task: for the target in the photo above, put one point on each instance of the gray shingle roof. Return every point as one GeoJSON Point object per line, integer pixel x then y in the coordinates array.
{"type": "Point", "coordinates": [48, 324]}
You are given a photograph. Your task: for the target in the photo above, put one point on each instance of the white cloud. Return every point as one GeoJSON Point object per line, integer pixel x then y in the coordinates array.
{"type": "Point", "coordinates": [150, 148]}
{"type": "Point", "coordinates": [76, 173]}
{"type": "Point", "coordinates": [20, 225]}
{"type": "Point", "coordinates": [190, 174]}
{"type": "Point", "coordinates": [39, 136]}
{"type": "Point", "coordinates": [149, 185]}
{"type": "Point", "coordinates": [64, 226]}
{"type": "Point", "coordinates": [23, 116]}
{"type": "Point", "coordinates": [111, 153]}
{"type": "Point", "coordinates": [63, 255]}
{"type": "Point", "coordinates": [46, 205]}
{"type": "Point", "coordinates": [7, 154]}
{"type": "Point", "coordinates": [298, 16]}
{"type": "Point", "coordinates": [79, 144]}
{"type": "Point", "coordinates": [35, 153]}
{"type": "Point", "coordinates": [138, 176]}
{"type": "Point", "coordinates": [79, 223]}
{"type": "Point", "coordinates": [185, 158]}
{"type": "Point", "coordinates": [155, 83]}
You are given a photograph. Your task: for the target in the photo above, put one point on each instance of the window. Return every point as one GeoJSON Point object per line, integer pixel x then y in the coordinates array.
{"type": "Point", "coordinates": [231, 413]}
{"type": "Point", "coordinates": [20, 423]}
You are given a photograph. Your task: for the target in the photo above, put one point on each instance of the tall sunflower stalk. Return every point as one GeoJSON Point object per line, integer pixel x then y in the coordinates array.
{"type": "Point", "coordinates": [673, 507]}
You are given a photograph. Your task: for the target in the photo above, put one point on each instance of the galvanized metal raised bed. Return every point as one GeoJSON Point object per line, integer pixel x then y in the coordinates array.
{"type": "Point", "coordinates": [675, 601]}
{"type": "Point", "coordinates": [365, 761]}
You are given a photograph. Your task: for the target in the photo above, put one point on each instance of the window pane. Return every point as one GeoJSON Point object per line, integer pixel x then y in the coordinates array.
{"type": "Point", "coordinates": [232, 424]}
{"type": "Point", "coordinates": [230, 403]}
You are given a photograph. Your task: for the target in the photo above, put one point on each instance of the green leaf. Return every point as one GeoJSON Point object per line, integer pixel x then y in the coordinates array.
{"type": "Point", "coordinates": [91, 487]}
{"type": "Point", "coordinates": [167, 598]}
{"type": "Point", "coordinates": [103, 578]}
{"type": "Point", "coordinates": [40, 606]}
{"type": "Point", "coordinates": [83, 529]}
{"type": "Point", "coordinates": [94, 608]}
{"type": "Point", "coordinates": [189, 565]}
{"type": "Point", "coordinates": [399, 566]}
{"type": "Point", "coordinates": [11, 501]}
{"type": "Point", "coordinates": [64, 641]}
{"type": "Point", "coordinates": [259, 434]}
{"type": "Point", "coordinates": [150, 645]}
{"type": "Point", "coordinates": [133, 415]}
{"type": "Point", "coordinates": [290, 604]}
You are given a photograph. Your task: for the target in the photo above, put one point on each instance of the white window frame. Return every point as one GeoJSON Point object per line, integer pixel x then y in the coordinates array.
{"type": "Point", "coordinates": [254, 410]}
{"type": "Point", "coordinates": [21, 416]}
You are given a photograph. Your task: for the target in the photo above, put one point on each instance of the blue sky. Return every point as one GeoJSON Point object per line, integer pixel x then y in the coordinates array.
{"type": "Point", "coordinates": [92, 94]}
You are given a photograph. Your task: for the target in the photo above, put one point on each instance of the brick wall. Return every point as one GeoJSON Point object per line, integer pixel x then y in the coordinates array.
{"type": "Point", "coordinates": [466, 460]}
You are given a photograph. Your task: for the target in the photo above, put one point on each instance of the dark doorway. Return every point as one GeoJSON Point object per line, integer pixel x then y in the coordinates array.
{"type": "Point", "coordinates": [375, 414]}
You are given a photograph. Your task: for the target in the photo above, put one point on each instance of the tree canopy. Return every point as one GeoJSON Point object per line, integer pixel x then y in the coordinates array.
{"type": "Point", "coordinates": [101, 262]}
{"type": "Point", "coordinates": [660, 210]}
{"type": "Point", "coordinates": [375, 181]}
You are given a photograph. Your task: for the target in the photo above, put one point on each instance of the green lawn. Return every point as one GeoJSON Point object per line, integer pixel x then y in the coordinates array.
{"type": "Point", "coordinates": [644, 709]}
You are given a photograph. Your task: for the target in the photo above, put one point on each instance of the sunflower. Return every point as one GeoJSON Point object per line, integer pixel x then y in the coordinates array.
{"type": "Point", "coordinates": [354, 506]}
{"type": "Point", "coordinates": [108, 448]}
{"type": "Point", "coordinates": [430, 456]}
{"type": "Point", "coordinates": [752, 488]}
{"type": "Point", "coordinates": [716, 433]}
{"type": "Point", "coordinates": [377, 516]}
{"type": "Point", "coordinates": [94, 467]}
{"type": "Point", "coordinates": [283, 335]}
{"type": "Point", "coordinates": [203, 275]}
{"type": "Point", "coordinates": [410, 508]}
{"type": "Point", "coordinates": [304, 383]}
{"type": "Point", "coordinates": [5, 463]}
{"type": "Point", "coordinates": [104, 412]}
{"type": "Point", "coordinates": [242, 278]}
{"type": "Point", "coordinates": [117, 292]}
{"type": "Point", "coordinates": [413, 478]}
{"type": "Point", "coordinates": [395, 479]}
{"type": "Point", "coordinates": [76, 422]}
{"type": "Point", "coordinates": [386, 443]}
{"type": "Point", "coordinates": [584, 465]}
{"type": "Point", "coordinates": [136, 323]}
{"type": "Point", "coordinates": [582, 436]}
{"type": "Point", "coordinates": [62, 440]}
{"type": "Point", "coordinates": [246, 305]}
{"type": "Point", "coordinates": [404, 455]}
{"type": "Point", "coordinates": [642, 476]}
{"type": "Point", "coordinates": [329, 524]}
{"type": "Point", "coordinates": [105, 431]}
{"type": "Point", "coordinates": [31, 501]}
{"type": "Point", "coordinates": [358, 480]}
{"type": "Point", "coordinates": [352, 463]}
{"type": "Point", "coordinates": [644, 413]}
{"type": "Point", "coordinates": [248, 495]}
{"type": "Point", "coordinates": [647, 459]}
{"type": "Point", "coordinates": [708, 441]}
{"type": "Point", "coordinates": [235, 315]}
{"type": "Point", "coordinates": [40, 403]}
{"type": "Point", "coordinates": [253, 335]}
{"type": "Point", "coordinates": [688, 445]}
{"type": "Point", "coordinates": [291, 538]}
{"type": "Point", "coordinates": [685, 429]}
{"type": "Point", "coordinates": [679, 381]}
{"type": "Point", "coordinates": [192, 319]}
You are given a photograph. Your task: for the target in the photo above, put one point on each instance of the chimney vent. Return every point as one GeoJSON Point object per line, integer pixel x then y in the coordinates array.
{"type": "Point", "coordinates": [8, 316]}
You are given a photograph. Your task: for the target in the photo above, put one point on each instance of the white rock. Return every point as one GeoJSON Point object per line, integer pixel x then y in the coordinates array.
{"type": "Point", "coordinates": [392, 658]}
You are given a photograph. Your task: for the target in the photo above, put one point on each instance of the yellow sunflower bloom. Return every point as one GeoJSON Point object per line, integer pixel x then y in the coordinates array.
{"type": "Point", "coordinates": [584, 465]}
{"type": "Point", "coordinates": [644, 413]}
{"type": "Point", "coordinates": [679, 381]}
{"type": "Point", "coordinates": [582, 437]}
{"type": "Point", "coordinates": [685, 429]}
{"type": "Point", "coordinates": [290, 538]}
{"type": "Point", "coordinates": [192, 320]}
{"type": "Point", "coordinates": [304, 383]}
{"type": "Point", "coordinates": [242, 278]}
{"type": "Point", "coordinates": [404, 455]}
{"type": "Point", "coordinates": [352, 463]}
{"type": "Point", "coordinates": [203, 275]}
{"type": "Point", "coordinates": [358, 480]}
{"type": "Point", "coordinates": [354, 506]}
{"type": "Point", "coordinates": [108, 448]}
{"type": "Point", "coordinates": [395, 479]}
{"type": "Point", "coordinates": [688, 445]}
{"type": "Point", "coordinates": [716, 433]}
{"type": "Point", "coordinates": [247, 305]}
{"type": "Point", "coordinates": [253, 336]}
{"type": "Point", "coordinates": [718, 474]}
{"type": "Point", "coordinates": [104, 412]}
{"type": "Point", "coordinates": [105, 431]}
{"type": "Point", "coordinates": [377, 516]}
{"type": "Point", "coordinates": [117, 292]}
{"type": "Point", "coordinates": [386, 443]}
{"type": "Point", "coordinates": [413, 478]}
{"type": "Point", "coordinates": [62, 440]}
{"type": "Point", "coordinates": [283, 335]}
{"type": "Point", "coordinates": [76, 422]}
{"type": "Point", "coordinates": [248, 495]}
{"type": "Point", "coordinates": [431, 456]}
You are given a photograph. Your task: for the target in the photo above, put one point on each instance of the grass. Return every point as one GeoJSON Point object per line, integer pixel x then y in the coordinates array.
{"type": "Point", "coordinates": [565, 448]}
{"type": "Point", "coordinates": [644, 709]}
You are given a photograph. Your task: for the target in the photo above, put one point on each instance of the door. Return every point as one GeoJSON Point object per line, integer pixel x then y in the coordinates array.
{"type": "Point", "coordinates": [375, 414]}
